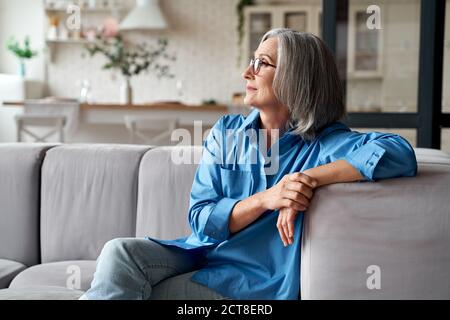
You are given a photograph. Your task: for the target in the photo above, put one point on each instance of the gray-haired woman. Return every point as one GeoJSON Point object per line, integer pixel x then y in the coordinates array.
{"type": "Point", "coordinates": [246, 208]}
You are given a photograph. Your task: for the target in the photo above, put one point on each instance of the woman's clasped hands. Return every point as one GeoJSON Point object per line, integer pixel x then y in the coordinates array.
{"type": "Point", "coordinates": [293, 193]}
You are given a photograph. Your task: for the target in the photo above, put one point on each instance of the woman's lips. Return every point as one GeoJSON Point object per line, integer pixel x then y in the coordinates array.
{"type": "Point", "coordinates": [250, 88]}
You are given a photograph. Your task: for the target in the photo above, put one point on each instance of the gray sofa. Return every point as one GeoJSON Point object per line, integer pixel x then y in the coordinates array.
{"type": "Point", "coordinates": [59, 204]}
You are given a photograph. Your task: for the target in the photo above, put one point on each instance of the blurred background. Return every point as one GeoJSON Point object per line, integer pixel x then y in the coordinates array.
{"type": "Point", "coordinates": [111, 71]}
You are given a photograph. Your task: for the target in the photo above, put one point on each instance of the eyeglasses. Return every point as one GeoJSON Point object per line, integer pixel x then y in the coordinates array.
{"type": "Point", "coordinates": [257, 63]}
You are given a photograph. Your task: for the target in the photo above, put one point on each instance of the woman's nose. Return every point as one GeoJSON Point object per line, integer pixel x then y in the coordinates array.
{"type": "Point", "coordinates": [248, 74]}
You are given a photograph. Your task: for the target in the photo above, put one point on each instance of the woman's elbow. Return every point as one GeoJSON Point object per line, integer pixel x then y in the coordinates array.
{"type": "Point", "coordinates": [399, 159]}
{"type": "Point", "coordinates": [407, 158]}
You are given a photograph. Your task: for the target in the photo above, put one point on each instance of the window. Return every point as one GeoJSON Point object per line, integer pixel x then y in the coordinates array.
{"type": "Point", "coordinates": [261, 18]}
{"type": "Point", "coordinates": [446, 71]}
{"type": "Point", "coordinates": [296, 21]}
{"type": "Point", "coordinates": [445, 140]}
{"type": "Point", "coordinates": [406, 61]}
{"type": "Point", "coordinates": [445, 133]}
{"type": "Point", "coordinates": [366, 51]}
{"type": "Point", "coordinates": [383, 63]}
{"type": "Point", "coordinates": [260, 23]}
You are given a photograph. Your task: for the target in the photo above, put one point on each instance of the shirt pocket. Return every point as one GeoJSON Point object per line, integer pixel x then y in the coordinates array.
{"type": "Point", "coordinates": [236, 184]}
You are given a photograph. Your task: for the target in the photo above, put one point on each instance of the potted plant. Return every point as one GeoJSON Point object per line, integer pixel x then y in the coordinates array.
{"type": "Point", "coordinates": [240, 27]}
{"type": "Point", "coordinates": [22, 52]}
{"type": "Point", "coordinates": [131, 59]}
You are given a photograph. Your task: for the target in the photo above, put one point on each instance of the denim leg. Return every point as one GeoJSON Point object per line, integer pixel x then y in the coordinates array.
{"type": "Point", "coordinates": [128, 268]}
{"type": "Point", "coordinates": [181, 287]}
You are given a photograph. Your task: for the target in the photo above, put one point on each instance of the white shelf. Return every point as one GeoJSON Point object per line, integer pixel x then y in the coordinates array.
{"type": "Point", "coordinates": [69, 41]}
{"type": "Point", "coordinates": [53, 44]}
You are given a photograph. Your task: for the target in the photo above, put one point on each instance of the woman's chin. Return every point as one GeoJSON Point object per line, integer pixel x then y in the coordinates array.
{"type": "Point", "coordinates": [249, 101]}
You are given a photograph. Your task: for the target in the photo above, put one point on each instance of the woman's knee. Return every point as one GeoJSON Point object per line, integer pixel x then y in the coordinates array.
{"type": "Point", "coordinates": [117, 247]}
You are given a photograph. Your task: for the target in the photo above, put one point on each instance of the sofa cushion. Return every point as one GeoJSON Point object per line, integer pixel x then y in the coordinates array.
{"type": "Point", "coordinates": [8, 270]}
{"type": "Point", "coordinates": [164, 189]}
{"type": "Point", "coordinates": [89, 196]}
{"type": "Point", "coordinates": [77, 274]}
{"type": "Point", "coordinates": [20, 172]}
{"type": "Point", "coordinates": [40, 293]}
{"type": "Point", "coordinates": [383, 240]}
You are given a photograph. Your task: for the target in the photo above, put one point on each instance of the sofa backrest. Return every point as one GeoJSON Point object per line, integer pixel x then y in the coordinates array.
{"type": "Point", "coordinates": [20, 171]}
{"type": "Point", "coordinates": [88, 196]}
{"type": "Point", "coordinates": [164, 189]}
{"type": "Point", "coordinates": [383, 240]}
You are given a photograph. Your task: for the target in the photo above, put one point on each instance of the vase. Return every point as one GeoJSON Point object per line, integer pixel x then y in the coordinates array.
{"type": "Point", "coordinates": [126, 92]}
{"type": "Point", "coordinates": [22, 70]}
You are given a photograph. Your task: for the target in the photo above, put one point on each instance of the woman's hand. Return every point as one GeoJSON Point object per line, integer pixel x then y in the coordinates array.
{"type": "Point", "coordinates": [337, 171]}
{"type": "Point", "coordinates": [292, 194]}
{"type": "Point", "coordinates": [293, 191]}
{"type": "Point", "coordinates": [285, 225]}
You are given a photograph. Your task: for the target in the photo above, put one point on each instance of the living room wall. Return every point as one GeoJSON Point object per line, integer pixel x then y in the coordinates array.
{"type": "Point", "coordinates": [22, 18]}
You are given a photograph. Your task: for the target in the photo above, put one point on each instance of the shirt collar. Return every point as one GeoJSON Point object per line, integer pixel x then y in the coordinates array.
{"type": "Point", "coordinates": [251, 120]}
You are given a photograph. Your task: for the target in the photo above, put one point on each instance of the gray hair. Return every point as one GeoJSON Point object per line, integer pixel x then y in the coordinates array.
{"type": "Point", "coordinates": [306, 81]}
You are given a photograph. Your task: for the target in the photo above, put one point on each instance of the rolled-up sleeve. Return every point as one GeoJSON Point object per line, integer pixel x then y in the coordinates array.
{"type": "Point", "coordinates": [209, 209]}
{"type": "Point", "coordinates": [375, 155]}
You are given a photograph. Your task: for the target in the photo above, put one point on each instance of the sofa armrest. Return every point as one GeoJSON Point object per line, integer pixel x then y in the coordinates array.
{"type": "Point", "coordinates": [382, 240]}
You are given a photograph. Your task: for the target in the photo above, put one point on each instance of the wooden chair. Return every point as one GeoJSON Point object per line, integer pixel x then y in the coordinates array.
{"type": "Point", "coordinates": [150, 130]}
{"type": "Point", "coordinates": [55, 123]}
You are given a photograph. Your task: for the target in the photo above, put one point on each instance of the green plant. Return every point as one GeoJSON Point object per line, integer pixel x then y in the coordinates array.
{"type": "Point", "coordinates": [24, 52]}
{"type": "Point", "coordinates": [131, 59]}
{"type": "Point", "coordinates": [240, 28]}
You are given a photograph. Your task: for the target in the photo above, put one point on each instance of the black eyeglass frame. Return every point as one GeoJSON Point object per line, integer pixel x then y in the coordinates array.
{"type": "Point", "coordinates": [253, 63]}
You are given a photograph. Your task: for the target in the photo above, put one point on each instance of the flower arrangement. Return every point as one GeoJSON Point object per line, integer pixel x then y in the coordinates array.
{"type": "Point", "coordinates": [132, 59]}
{"type": "Point", "coordinates": [22, 52]}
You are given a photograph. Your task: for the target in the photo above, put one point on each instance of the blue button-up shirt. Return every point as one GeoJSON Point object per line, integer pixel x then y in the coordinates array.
{"type": "Point", "coordinates": [253, 263]}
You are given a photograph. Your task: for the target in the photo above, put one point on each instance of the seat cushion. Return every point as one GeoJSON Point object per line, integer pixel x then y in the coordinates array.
{"type": "Point", "coordinates": [76, 274]}
{"type": "Point", "coordinates": [88, 197]}
{"type": "Point", "coordinates": [20, 180]}
{"type": "Point", "coordinates": [40, 293]}
{"type": "Point", "coordinates": [8, 270]}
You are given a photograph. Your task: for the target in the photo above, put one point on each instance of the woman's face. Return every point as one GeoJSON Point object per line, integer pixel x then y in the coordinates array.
{"type": "Point", "coordinates": [259, 90]}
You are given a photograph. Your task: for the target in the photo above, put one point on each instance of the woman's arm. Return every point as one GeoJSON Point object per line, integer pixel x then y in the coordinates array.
{"type": "Point", "coordinates": [248, 210]}
{"type": "Point", "coordinates": [334, 172]}
{"type": "Point", "coordinates": [376, 156]}
{"type": "Point", "coordinates": [245, 212]}
{"type": "Point", "coordinates": [292, 191]}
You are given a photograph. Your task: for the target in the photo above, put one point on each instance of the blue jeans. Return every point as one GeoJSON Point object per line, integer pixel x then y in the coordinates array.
{"type": "Point", "coordinates": [134, 268]}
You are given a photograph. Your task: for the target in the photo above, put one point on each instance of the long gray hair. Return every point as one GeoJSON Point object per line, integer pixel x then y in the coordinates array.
{"type": "Point", "coordinates": [306, 81]}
